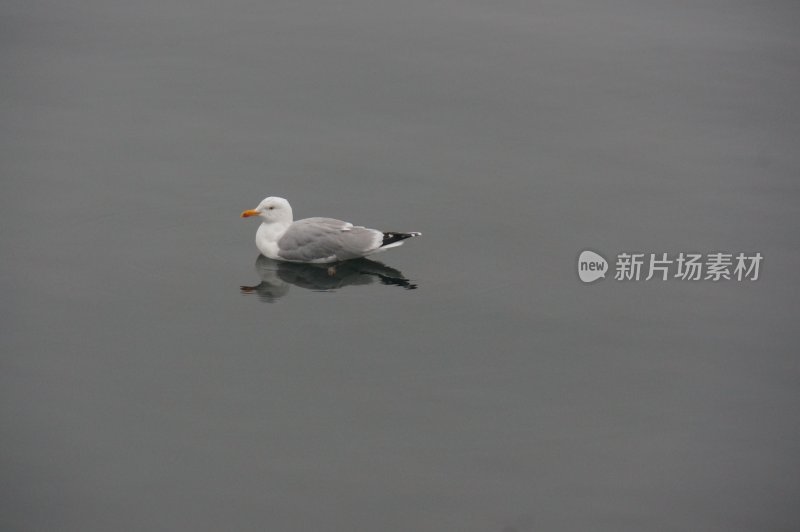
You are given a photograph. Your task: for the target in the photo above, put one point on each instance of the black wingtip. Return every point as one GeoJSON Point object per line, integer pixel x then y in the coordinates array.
{"type": "Point", "coordinates": [391, 238]}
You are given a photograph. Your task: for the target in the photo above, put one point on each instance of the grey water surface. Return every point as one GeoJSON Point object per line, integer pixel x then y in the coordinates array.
{"type": "Point", "coordinates": [156, 375]}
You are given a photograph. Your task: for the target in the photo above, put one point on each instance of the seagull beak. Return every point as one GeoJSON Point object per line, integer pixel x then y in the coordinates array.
{"type": "Point", "coordinates": [249, 213]}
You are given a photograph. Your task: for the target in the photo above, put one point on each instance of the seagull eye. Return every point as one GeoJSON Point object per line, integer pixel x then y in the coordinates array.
{"type": "Point", "coordinates": [271, 208]}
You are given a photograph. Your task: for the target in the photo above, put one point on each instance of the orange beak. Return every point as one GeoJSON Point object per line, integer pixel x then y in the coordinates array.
{"type": "Point", "coordinates": [249, 213]}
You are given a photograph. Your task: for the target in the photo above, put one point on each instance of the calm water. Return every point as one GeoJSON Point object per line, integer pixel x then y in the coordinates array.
{"type": "Point", "coordinates": [157, 376]}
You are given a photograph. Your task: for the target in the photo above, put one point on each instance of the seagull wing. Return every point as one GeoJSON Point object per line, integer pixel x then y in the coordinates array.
{"type": "Point", "coordinates": [327, 240]}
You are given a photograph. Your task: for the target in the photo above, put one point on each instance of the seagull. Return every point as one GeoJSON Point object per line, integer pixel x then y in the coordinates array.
{"type": "Point", "coordinates": [315, 240]}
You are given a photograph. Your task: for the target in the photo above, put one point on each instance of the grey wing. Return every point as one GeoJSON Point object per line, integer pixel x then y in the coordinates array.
{"type": "Point", "coordinates": [327, 240]}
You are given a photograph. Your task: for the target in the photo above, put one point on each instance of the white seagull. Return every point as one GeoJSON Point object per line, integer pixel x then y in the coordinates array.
{"type": "Point", "coordinates": [317, 240]}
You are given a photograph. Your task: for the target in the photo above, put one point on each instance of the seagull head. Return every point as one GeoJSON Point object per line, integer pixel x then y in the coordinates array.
{"type": "Point", "coordinates": [272, 209]}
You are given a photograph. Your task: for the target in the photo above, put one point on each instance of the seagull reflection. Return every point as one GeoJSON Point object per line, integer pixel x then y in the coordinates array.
{"type": "Point", "coordinates": [277, 276]}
